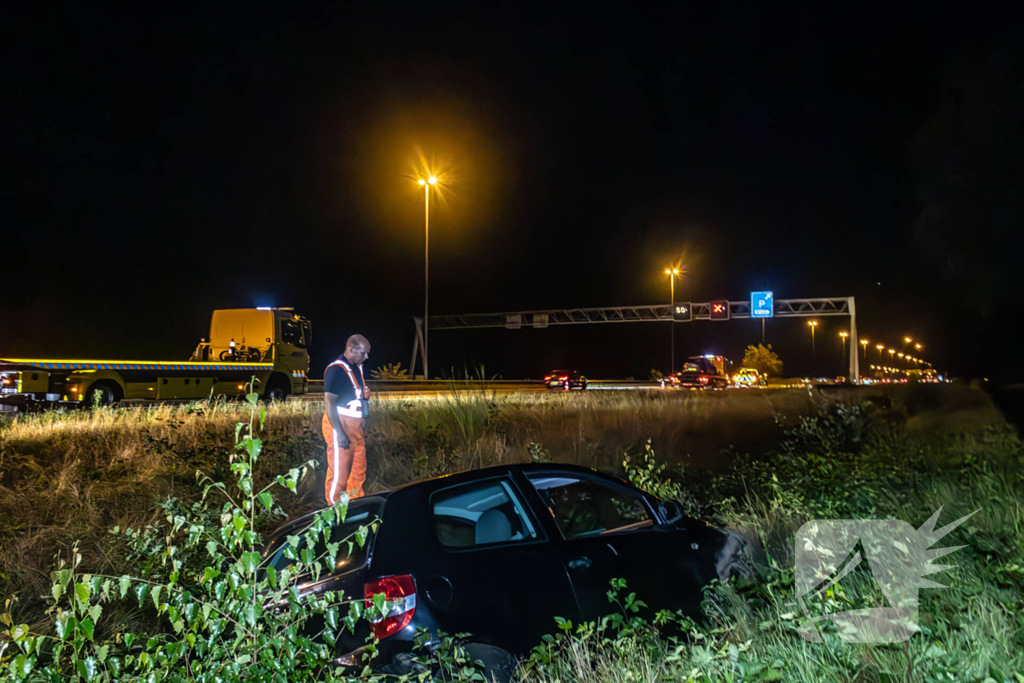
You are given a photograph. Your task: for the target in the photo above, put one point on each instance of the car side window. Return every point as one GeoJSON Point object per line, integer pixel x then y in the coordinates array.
{"type": "Point", "coordinates": [483, 513]}
{"type": "Point", "coordinates": [582, 507]}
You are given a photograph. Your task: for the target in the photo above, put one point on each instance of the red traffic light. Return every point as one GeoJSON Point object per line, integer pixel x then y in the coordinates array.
{"type": "Point", "coordinates": [719, 310]}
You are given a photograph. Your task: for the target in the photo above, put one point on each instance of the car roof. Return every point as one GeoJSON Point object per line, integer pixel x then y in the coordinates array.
{"type": "Point", "coordinates": [380, 497]}
{"type": "Point", "coordinates": [470, 475]}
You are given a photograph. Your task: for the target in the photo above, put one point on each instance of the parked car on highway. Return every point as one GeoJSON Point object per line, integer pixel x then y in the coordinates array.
{"type": "Point", "coordinates": [565, 380]}
{"type": "Point", "coordinates": [500, 552]}
{"type": "Point", "coordinates": [748, 377]}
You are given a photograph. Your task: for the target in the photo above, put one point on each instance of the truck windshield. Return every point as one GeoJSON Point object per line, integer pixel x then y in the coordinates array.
{"type": "Point", "coordinates": [291, 333]}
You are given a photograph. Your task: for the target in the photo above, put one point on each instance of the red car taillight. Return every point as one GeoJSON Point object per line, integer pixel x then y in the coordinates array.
{"type": "Point", "coordinates": [400, 591]}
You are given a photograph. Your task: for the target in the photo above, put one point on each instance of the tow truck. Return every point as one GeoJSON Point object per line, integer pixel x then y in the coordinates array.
{"type": "Point", "coordinates": [701, 372]}
{"type": "Point", "coordinates": [270, 344]}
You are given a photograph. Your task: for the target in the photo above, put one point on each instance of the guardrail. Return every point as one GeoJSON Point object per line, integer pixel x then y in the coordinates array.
{"type": "Point", "coordinates": [316, 386]}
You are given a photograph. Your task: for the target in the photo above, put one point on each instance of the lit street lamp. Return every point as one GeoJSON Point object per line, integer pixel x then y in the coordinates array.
{"type": "Point", "coordinates": [892, 352]}
{"type": "Point", "coordinates": [864, 343]}
{"type": "Point", "coordinates": [427, 183]}
{"type": "Point", "coordinates": [672, 273]}
{"type": "Point", "coordinates": [844, 335]}
{"type": "Point", "coordinates": [880, 347]}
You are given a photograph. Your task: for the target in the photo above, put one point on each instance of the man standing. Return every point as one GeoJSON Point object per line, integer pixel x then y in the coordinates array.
{"type": "Point", "coordinates": [345, 408]}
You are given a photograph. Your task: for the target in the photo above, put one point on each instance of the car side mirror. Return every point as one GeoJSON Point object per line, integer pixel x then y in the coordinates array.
{"type": "Point", "coordinates": [671, 511]}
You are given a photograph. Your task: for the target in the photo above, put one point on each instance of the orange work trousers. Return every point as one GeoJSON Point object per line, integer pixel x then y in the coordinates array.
{"type": "Point", "coordinates": [346, 467]}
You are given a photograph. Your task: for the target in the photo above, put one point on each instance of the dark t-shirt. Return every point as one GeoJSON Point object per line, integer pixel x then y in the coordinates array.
{"type": "Point", "coordinates": [336, 381]}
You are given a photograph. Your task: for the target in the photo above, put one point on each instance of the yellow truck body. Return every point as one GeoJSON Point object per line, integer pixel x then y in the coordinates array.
{"type": "Point", "coordinates": [271, 345]}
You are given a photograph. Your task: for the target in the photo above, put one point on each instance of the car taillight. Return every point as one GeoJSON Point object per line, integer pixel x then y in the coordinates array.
{"type": "Point", "coordinates": [400, 592]}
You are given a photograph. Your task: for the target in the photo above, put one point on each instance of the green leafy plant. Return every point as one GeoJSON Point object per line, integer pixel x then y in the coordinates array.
{"type": "Point", "coordinates": [650, 476]}
{"type": "Point", "coordinates": [240, 619]}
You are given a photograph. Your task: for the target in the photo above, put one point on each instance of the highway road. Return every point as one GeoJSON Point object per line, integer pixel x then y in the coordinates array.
{"type": "Point", "coordinates": [441, 387]}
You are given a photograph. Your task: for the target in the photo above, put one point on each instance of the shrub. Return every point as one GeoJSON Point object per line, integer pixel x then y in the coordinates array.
{"type": "Point", "coordinates": [239, 619]}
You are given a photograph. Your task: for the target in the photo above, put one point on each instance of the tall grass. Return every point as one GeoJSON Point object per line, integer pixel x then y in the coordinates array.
{"type": "Point", "coordinates": [70, 477]}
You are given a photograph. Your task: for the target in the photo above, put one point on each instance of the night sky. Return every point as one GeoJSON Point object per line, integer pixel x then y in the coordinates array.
{"type": "Point", "coordinates": [160, 164]}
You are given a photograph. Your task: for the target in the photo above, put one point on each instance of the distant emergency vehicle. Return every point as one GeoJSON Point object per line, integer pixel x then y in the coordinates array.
{"type": "Point", "coordinates": [271, 344]}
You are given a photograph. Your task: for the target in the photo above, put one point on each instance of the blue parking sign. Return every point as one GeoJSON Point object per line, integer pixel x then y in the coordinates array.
{"type": "Point", "coordinates": [761, 305]}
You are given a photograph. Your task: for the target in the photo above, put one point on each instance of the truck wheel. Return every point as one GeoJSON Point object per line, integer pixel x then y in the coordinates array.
{"type": "Point", "coordinates": [277, 389]}
{"type": "Point", "coordinates": [108, 394]}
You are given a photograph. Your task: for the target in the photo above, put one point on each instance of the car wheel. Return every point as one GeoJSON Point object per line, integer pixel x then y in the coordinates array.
{"type": "Point", "coordinates": [498, 665]}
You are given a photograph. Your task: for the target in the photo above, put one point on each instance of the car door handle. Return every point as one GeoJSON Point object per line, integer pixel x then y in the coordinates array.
{"type": "Point", "coordinates": [580, 563]}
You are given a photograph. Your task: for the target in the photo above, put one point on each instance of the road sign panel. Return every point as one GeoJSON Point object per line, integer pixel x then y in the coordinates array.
{"type": "Point", "coordinates": [762, 305]}
{"type": "Point", "coordinates": [719, 310]}
{"type": "Point", "coordinates": [681, 312]}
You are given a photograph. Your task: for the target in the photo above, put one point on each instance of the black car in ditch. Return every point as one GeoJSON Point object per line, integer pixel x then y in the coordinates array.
{"type": "Point", "coordinates": [499, 552]}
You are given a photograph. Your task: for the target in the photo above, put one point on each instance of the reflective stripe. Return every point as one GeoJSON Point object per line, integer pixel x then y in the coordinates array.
{"type": "Point", "coordinates": [350, 412]}
{"type": "Point", "coordinates": [334, 482]}
{"type": "Point", "coordinates": [357, 411]}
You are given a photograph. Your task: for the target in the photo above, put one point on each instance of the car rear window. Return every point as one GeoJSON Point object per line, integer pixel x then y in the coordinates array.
{"type": "Point", "coordinates": [363, 513]}
{"type": "Point", "coordinates": [482, 513]}
{"type": "Point", "coordinates": [582, 507]}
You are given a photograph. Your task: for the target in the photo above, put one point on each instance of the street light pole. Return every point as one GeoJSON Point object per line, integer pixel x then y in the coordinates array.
{"type": "Point", "coordinates": [426, 275]}
{"type": "Point", "coordinates": [843, 336]}
{"type": "Point", "coordinates": [864, 343]}
{"type": "Point", "coordinates": [813, 324]}
{"type": "Point", "coordinates": [426, 269]}
{"type": "Point", "coordinates": [672, 272]}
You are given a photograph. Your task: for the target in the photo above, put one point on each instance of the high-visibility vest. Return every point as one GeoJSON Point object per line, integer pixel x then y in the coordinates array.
{"type": "Point", "coordinates": [353, 408]}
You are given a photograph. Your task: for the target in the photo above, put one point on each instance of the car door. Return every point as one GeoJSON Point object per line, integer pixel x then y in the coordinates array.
{"type": "Point", "coordinates": [488, 568]}
{"type": "Point", "coordinates": [609, 529]}
{"type": "Point", "coordinates": [593, 519]}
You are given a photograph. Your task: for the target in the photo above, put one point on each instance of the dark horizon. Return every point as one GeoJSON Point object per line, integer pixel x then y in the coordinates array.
{"type": "Point", "coordinates": [161, 166]}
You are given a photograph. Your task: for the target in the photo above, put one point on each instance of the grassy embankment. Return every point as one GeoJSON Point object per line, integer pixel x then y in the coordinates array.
{"type": "Point", "coordinates": [66, 478]}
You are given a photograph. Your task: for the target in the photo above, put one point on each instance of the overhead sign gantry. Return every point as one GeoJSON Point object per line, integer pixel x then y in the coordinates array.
{"type": "Point", "coordinates": [759, 306]}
